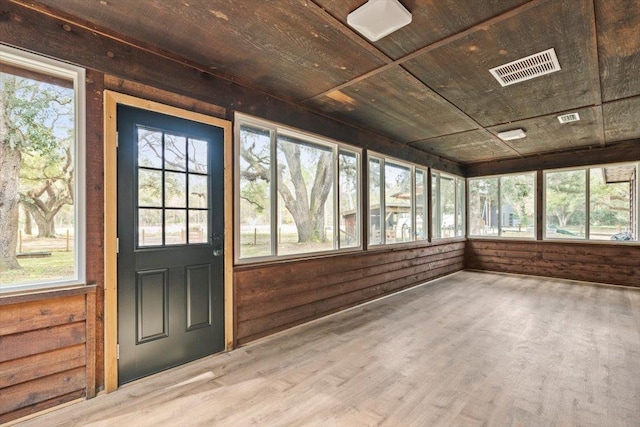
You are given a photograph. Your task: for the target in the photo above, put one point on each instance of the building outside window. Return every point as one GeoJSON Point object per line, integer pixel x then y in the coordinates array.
{"type": "Point", "coordinates": [502, 206]}
{"type": "Point", "coordinates": [594, 203]}
{"type": "Point", "coordinates": [448, 204]}
{"type": "Point", "coordinates": [397, 202]}
{"type": "Point", "coordinates": [41, 172]}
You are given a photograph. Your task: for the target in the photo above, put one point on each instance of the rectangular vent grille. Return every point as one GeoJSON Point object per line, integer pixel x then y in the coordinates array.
{"type": "Point", "coordinates": [568, 118]}
{"type": "Point", "coordinates": [527, 68]}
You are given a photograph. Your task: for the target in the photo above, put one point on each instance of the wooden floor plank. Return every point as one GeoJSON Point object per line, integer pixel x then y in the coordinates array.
{"type": "Point", "coordinates": [470, 349]}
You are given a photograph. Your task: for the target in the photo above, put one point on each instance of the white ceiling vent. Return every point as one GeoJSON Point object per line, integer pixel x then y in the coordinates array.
{"type": "Point", "coordinates": [527, 68]}
{"type": "Point", "coordinates": [568, 118]}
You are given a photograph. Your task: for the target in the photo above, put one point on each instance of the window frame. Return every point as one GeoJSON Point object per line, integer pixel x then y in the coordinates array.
{"type": "Point", "coordinates": [413, 167]}
{"type": "Point", "coordinates": [436, 208]}
{"type": "Point", "coordinates": [77, 75]}
{"type": "Point", "coordinates": [499, 177]}
{"type": "Point", "coordinates": [336, 147]}
{"type": "Point", "coordinates": [587, 173]}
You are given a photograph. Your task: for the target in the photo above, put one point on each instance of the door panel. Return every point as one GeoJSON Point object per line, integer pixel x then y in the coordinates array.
{"type": "Point", "coordinates": [152, 295]}
{"type": "Point", "coordinates": [198, 296]}
{"type": "Point", "coordinates": [170, 217]}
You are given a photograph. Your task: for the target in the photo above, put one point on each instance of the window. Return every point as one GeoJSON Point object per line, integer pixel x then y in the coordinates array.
{"type": "Point", "coordinates": [447, 193]}
{"type": "Point", "coordinates": [502, 206]}
{"type": "Point", "coordinates": [297, 193]}
{"type": "Point", "coordinates": [41, 173]}
{"type": "Point", "coordinates": [396, 202]}
{"type": "Point", "coordinates": [175, 166]}
{"type": "Point", "coordinates": [596, 203]}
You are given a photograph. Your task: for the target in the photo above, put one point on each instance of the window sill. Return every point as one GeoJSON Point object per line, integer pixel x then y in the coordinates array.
{"type": "Point", "coordinates": [46, 293]}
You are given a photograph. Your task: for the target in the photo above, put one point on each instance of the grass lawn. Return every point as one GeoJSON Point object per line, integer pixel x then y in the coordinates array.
{"type": "Point", "coordinates": [58, 265]}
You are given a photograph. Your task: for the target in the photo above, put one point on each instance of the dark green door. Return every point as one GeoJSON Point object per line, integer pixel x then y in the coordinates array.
{"type": "Point", "coordinates": [170, 231]}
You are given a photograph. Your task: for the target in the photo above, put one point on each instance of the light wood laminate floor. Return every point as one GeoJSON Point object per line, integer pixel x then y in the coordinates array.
{"type": "Point", "coordinates": [471, 349]}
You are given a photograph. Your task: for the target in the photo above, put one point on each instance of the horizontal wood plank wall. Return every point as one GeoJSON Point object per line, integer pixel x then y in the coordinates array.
{"type": "Point", "coordinates": [274, 297]}
{"type": "Point", "coordinates": [613, 264]}
{"type": "Point", "coordinates": [45, 339]}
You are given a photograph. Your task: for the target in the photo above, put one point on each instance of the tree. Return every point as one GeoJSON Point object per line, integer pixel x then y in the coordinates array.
{"type": "Point", "coordinates": [517, 191]}
{"type": "Point", "coordinates": [565, 196]}
{"type": "Point", "coordinates": [48, 187]}
{"type": "Point", "coordinates": [304, 176]}
{"type": "Point", "coordinates": [29, 112]}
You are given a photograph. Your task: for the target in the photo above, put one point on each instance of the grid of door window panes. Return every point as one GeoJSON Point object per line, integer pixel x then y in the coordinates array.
{"type": "Point", "coordinates": [173, 189]}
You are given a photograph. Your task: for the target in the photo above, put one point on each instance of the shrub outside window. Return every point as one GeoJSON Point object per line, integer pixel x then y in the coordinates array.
{"type": "Point", "coordinates": [448, 204]}
{"type": "Point", "coordinates": [42, 172]}
{"type": "Point", "coordinates": [397, 202]}
{"type": "Point", "coordinates": [502, 206]}
{"type": "Point", "coordinates": [296, 193]}
{"type": "Point", "coordinates": [594, 203]}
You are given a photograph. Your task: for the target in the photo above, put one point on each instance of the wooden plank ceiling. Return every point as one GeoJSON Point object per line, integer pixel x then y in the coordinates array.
{"type": "Point", "coordinates": [427, 85]}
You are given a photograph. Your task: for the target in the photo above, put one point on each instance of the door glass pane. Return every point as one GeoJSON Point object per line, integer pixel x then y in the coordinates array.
{"type": "Point", "coordinates": [198, 229]}
{"type": "Point", "coordinates": [565, 199]}
{"type": "Point", "coordinates": [175, 225]}
{"type": "Point", "coordinates": [149, 148]}
{"type": "Point", "coordinates": [149, 227]}
{"type": "Point", "coordinates": [197, 191]}
{"type": "Point", "coordinates": [198, 155]}
{"type": "Point", "coordinates": [149, 188]}
{"type": "Point", "coordinates": [175, 190]}
{"type": "Point", "coordinates": [175, 152]}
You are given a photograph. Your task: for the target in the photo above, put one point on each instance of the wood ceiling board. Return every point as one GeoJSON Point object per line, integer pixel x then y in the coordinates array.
{"type": "Point", "coordinates": [618, 26]}
{"type": "Point", "coordinates": [394, 104]}
{"type": "Point", "coordinates": [431, 20]}
{"type": "Point", "coordinates": [281, 47]}
{"type": "Point", "coordinates": [622, 120]}
{"type": "Point", "coordinates": [467, 147]}
{"type": "Point", "coordinates": [459, 70]}
{"type": "Point", "coordinates": [546, 134]}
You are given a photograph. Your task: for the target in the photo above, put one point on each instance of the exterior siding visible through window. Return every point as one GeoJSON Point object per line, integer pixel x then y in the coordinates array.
{"type": "Point", "coordinates": [598, 203]}
{"type": "Point", "coordinates": [397, 201]}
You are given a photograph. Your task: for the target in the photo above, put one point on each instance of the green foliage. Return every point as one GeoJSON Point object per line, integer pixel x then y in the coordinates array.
{"type": "Point", "coordinates": [32, 110]}
{"type": "Point", "coordinates": [565, 197]}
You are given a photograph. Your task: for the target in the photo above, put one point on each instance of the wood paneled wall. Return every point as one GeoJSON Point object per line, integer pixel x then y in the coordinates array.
{"type": "Point", "coordinates": [47, 350]}
{"type": "Point", "coordinates": [274, 297]}
{"type": "Point", "coordinates": [592, 262]}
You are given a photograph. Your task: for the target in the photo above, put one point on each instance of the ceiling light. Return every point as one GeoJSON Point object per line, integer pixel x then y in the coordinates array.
{"type": "Point", "coordinates": [378, 18]}
{"type": "Point", "coordinates": [510, 135]}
